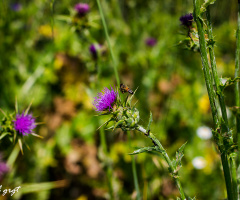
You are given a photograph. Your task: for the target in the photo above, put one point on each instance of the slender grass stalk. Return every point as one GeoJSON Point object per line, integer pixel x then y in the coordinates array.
{"type": "Point", "coordinates": [109, 168]}
{"type": "Point", "coordinates": [52, 18]}
{"type": "Point", "coordinates": [135, 178]}
{"type": "Point", "coordinates": [108, 41]}
{"type": "Point", "coordinates": [156, 142]}
{"type": "Point", "coordinates": [209, 84]}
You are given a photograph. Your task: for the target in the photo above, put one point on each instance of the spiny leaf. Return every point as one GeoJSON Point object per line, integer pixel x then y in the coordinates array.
{"type": "Point", "coordinates": [177, 164]}
{"type": "Point", "coordinates": [105, 123]}
{"type": "Point", "coordinates": [16, 105]}
{"type": "Point", "coordinates": [36, 135]}
{"type": "Point", "coordinates": [227, 83]}
{"type": "Point", "coordinates": [206, 4]}
{"type": "Point", "coordinates": [145, 149]}
{"type": "Point", "coordinates": [3, 135]}
{"type": "Point", "coordinates": [130, 99]}
{"type": "Point", "coordinates": [28, 108]}
{"type": "Point", "coordinates": [20, 145]}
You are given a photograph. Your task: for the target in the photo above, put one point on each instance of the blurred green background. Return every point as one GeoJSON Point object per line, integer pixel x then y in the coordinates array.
{"type": "Point", "coordinates": [45, 58]}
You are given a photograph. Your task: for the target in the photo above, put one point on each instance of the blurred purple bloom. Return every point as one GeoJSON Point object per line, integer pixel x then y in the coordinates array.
{"type": "Point", "coordinates": [3, 169]}
{"type": "Point", "coordinates": [150, 42]}
{"type": "Point", "coordinates": [16, 7]}
{"type": "Point", "coordinates": [93, 51]}
{"type": "Point", "coordinates": [187, 20]}
{"type": "Point", "coordinates": [24, 123]}
{"type": "Point", "coordinates": [82, 8]}
{"type": "Point", "coordinates": [105, 99]}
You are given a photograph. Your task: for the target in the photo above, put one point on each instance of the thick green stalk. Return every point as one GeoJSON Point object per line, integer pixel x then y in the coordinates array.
{"type": "Point", "coordinates": [108, 41]}
{"type": "Point", "coordinates": [156, 142]}
{"type": "Point", "coordinates": [237, 98]}
{"type": "Point", "coordinates": [209, 84]}
{"type": "Point", "coordinates": [134, 170]}
{"type": "Point", "coordinates": [236, 137]}
{"type": "Point", "coordinates": [206, 68]}
{"type": "Point", "coordinates": [109, 169]}
{"type": "Point", "coordinates": [214, 69]}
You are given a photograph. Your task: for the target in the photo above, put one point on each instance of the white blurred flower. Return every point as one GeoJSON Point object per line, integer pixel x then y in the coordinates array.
{"type": "Point", "coordinates": [204, 132]}
{"type": "Point", "coordinates": [199, 162]}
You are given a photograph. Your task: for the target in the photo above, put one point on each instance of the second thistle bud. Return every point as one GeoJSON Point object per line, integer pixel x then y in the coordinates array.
{"type": "Point", "coordinates": [126, 118]}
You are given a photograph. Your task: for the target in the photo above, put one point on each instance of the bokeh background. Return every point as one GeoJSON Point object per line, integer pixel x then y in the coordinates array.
{"type": "Point", "coordinates": [45, 59]}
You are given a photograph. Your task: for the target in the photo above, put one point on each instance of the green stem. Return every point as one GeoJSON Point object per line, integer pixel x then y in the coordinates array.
{"type": "Point", "coordinates": [109, 168]}
{"type": "Point", "coordinates": [156, 142]}
{"type": "Point", "coordinates": [214, 69]}
{"type": "Point", "coordinates": [209, 84]}
{"type": "Point", "coordinates": [108, 41]}
{"type": "Point", "coordinates": [237, 98]}
{"type": "Point", "coordinates": [234, 176]}
{"type": "Point", "coordinates": [135, 178]}
{"type": "Point", "coordinates": [206, 67]}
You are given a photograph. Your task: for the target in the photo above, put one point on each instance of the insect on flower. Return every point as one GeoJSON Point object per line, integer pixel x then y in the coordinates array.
{"type": "Point", "coordinates": [125, 88]}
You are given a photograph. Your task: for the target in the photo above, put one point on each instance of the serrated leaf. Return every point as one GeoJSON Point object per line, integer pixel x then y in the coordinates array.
{"type": "Point", "coordinates": [177, 164]}
{"type": "Point", "coordinates": [145, 149]}
{"type": "Point", "coordinates": [206, 4]}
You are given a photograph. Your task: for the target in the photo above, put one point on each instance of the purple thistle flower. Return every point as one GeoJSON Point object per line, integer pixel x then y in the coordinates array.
{"type": "Point", "coordinates": [93, 51]}
{"type": "Point", "coordinates": [16, 7]}
{"type": "Point", "coordinates": [105, 99]}
{"type": "Point", "coordinates": [187, 20]}
{"type": "Point", "coordinates": [24, 123]}
{"type": "Point", "coordinates": [150, 42]}
{"type": "Point", "coordinates": [82, 8]}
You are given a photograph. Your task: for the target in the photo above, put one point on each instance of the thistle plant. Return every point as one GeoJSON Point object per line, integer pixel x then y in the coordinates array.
{"type": "Point", "coordinates": [224, 136]}
{"type": "Point", "coordinates": [16, 126]}
{"type": "Point", "coordinates": [125, 116]}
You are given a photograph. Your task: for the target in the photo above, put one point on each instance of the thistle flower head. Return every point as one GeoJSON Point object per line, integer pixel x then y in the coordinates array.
{"type": "Point", "coordinates": [93, 51]}
{"type": "Point", "coordinates": [150, 42]}
{"type": "Point", "coordinates": [82, 8]}
{"type": "Point", "coordinates": [105, 99]}
{"type": "Point", "coordinates": [187, 20]}
{"type": "Point", "coordinates": [24, 123]}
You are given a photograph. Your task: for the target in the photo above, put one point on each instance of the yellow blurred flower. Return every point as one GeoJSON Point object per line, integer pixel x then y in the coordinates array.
{"type": "Point", "coordinates": [46, 31]}
{"type": "Point", "coordinates": [203, 104]}
{"type": "Point", "coordinates": [82, 197]}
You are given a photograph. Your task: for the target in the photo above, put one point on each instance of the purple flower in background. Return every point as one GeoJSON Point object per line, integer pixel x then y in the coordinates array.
{"type": "Point", "coordinates": [24, 123]}
{"type": "Point", "coordinates": [16, 7]}
{"type": "Point", "coordinates": [3, 169]}
{"type": "Point", "coordinates": [105, 99]}
{"type": "Point", "coordinates": [82, 8]}
{"type": "Point", "coordinates": [93, 51]}
{"type": "Point", "coordinates": [187, 20]}
{"type": "Point", "coordinates": [150, 42]}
